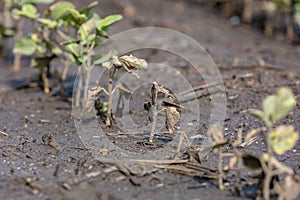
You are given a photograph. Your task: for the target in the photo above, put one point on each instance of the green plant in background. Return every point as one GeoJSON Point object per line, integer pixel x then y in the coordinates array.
{"type": "Point", "coordinates": [14, 12]}
{"type": "Point", "coordinates": [279, 139]}
{"type": "Point", "coordinates": [7, 28]}
{"type": "Point", "coordinates": [65, 32]}
{"type": "Point", "coordinates": [297, 11]}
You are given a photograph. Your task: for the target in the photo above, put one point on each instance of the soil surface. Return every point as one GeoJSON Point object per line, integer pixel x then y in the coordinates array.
{"type": "Point", "coordinates": [42, 156]}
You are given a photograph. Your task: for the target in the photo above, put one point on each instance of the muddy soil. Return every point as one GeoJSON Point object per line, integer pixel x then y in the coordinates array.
{"type": "Point", "coordinates": [31, 169]}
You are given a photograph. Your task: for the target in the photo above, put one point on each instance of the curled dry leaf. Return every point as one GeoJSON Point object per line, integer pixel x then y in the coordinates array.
{"type": "Point", "coordinates": [172, 118]}
{"type": "Point", "coordinates": [130, 63]}
{"type": "Point", "coordinates": [215, 134]}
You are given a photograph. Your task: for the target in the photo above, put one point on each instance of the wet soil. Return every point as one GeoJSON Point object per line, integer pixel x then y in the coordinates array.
{"type": "Point", "coordinates": [31, 169]}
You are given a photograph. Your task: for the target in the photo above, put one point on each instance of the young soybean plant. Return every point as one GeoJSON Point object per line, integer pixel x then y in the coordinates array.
{"type": "Point", "coordinates": [67, 33]}
{"type": "Point", "coordinates": [279, 139]}
{"type": "Point", "coordinates": [14, 13]}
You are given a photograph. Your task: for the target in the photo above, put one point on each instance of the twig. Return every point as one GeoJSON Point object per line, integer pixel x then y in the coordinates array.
{"type": "Point", "coordinates": [5, 134]}
{"type": "Point", "coordinates": [247, 67]}
{"type": "Point", "coordinates": [160, 162]}
{"type": "Point", "coordinates": [220, 169]}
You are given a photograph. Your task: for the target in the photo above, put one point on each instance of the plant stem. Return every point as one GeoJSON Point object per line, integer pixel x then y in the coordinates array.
{"type": "Point", "coordinates": [109, 112]}
{"type": "Point", "coordinates": [66, 69]}
{"type": "Point", "coordinates": [220, 169]}
{"type": "Point", "coordinates": [153, 109]}
{"type": "Point", "coordinates": [45, 79]}
{"type": "Point", "coordinates": [268, 171]}
{"type": "Point", "coordinates": [18, 36]}
{"type": "Point", "coordinates": [67, 64]}
{"type": "Point", "coordinates": [87, 69]}
{"type": "Point", "coordinates": [78, 94]}
{"type": "Point", "coordinates": [7, 16]}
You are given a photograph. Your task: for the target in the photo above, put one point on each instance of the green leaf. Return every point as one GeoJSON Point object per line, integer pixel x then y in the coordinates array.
{"type": "Point", "coordinates": [86, 28]}
{"type": "Point", "coordinates": [91, 38]}
{"type": "Point", "coordinates": [25, 46]}
{"type": "Point", "coordinates": [56, 50]}
{"type": "Point", "coordinates": [297, 7]}
{"type": "Point", "coordinates": [103, 24]}
{"type": "Point", "coordinates": [297, 17]}
{"type": "Point", "coordinates": [28, 11]}
{"type": "Point", "coordinates": [257, 113]}
{"type": "Point", "coordinates": [47, 22]}
{"type": "Point", "coordinates": [269, 105]}
{"type": "Point", "coordinates": [38, 1]}
{"type": "Point", "coordinates": [99, 59]}
{"type": "Point", "coordinates": [41, 48]}
{"type": "Point", "coordinates": [77, 17]}
{"type": "Point", "coordinates": [88, 8]}
{"type": "Point", "coordinates": [102, 33]}
{"type": "Point", "coordinates": [6, 32]}
{"type": "Point", "coordinates": [279, 105]}
{"type": "Point", "coordinates": [74, 48]}
{"type": "Point", "coordinates": [283, 138]}
{"type": "Point", "coordinates": [60, 8]}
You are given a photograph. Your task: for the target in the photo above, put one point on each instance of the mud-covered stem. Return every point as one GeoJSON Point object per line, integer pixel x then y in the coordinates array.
{"type": "Point", "coordinates": [153, 110]}
{"type": "Point", "coordinates": [110, 89]}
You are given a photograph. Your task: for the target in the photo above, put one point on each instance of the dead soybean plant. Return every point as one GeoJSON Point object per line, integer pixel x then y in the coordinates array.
{"type": "Point", "coordinates": [130, 64]}
{"type": "Point", "coordinates": [172, 109]}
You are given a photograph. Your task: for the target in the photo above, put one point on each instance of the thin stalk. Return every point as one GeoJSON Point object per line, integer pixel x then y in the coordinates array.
{"type": "Point", "coordinates": [78, 94]}
{"type": "Point", "coordinates": [7, 17]}
{"type": "Point", "coordinates": [239, 163]}
{"type": "Point", "coordinates": [18, 36]}
{"type": "Point", "coordinates": [248, 11]}
{"type": "Point", "coordinates": [67, 64]}
{"type": "Point", "coordinates": [220, 169]}
{"type": "Point", "coordinates": [87, 68]}
{"type": "Point", "coordinates": [45, 79]}
{"type": "Point", "coordinates": [153, 109]}
{"type": "Point", "coordinates": [268, 171]}
{"type": "Point", "coordinates": [109, 111]}
{"type": "Point", "coordinates": [66, 69]}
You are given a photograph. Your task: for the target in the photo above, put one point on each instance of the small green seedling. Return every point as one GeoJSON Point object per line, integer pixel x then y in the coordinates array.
{"type": "Point", "coordinates": [14, 13]}
{"type": "Point", "coordinates": [279, 139]}
{"type": "Point", "coordinates": [67, 33]}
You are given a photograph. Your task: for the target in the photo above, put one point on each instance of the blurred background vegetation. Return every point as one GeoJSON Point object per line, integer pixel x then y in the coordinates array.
{"type": "Point", "coordinates": [277, 18]}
